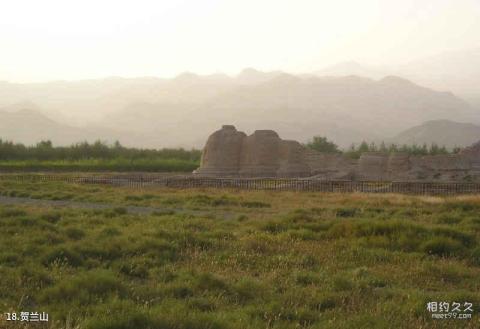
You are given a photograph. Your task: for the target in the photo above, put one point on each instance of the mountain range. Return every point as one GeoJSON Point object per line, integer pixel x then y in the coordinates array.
{"type": "Point", "coordinates": [183, 111]}
{"type": "Point", "coordinates": [454, 71]}
{"type": "Point", "coordinates": [30, 126]}
{"type": "Point", "coordinates": [440, 132]}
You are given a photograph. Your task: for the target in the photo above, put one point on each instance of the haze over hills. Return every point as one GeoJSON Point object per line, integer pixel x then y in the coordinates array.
{"type": "Point", "coordinates": [78, 101]}
{"type": "Point", "coordinates": [183, 111]}
{"type": "Point", "coordinates": [455, 71]}
{"type": "Point", "coordinates": [353, 68]}
{"type": "Point", "coordinates": [30, 127]}
{"type": "Point", "coordinates": [441, 132]}
{"type": "Point", "coordinates": [346, 109]}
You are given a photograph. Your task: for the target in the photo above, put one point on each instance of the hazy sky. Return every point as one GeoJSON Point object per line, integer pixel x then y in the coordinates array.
{"type": "Point", "coordinates": [65, 39]}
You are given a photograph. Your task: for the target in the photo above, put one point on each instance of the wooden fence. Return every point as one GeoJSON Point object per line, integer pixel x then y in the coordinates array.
{"type": "Point", "coordinates": [274, 184]}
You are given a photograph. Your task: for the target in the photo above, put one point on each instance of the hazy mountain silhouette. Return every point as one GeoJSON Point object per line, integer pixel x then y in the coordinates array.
{"type": "Point", "coordinates": [455, 71]}
{"type": "Point", "coordinates": [345, 109]}
{"type": "Point", "coordinates": [353, 68]}
{"type": "Point", "coordinates": [30, 127]}
{"type": "Point", "coordinates": [442, 132]}
{"type": "Point", "coordinates": [251, 76]}
{"type": "Point", "coordinates": [182, 111]}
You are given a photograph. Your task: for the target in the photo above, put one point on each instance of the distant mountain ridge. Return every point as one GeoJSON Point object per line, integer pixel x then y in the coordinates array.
{"type": "Point", "coordinates": [346, 109]}
{"type": "Point", "coordinates": [30, 127]}
{"type": "Point", "coordinates": [353, 68]}
{"type": "Point", "coordinates": [441, 132]}
{"type": "Point", "coordinates": [454, 71]}
{"type": "Point", "coordinates": [151, 112]}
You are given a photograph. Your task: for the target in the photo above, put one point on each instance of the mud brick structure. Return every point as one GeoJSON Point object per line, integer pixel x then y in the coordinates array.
{"type": "Point", "coordinates": [231, 153]}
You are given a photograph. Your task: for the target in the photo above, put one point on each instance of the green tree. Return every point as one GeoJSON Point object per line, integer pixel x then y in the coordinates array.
{"type": "Point", "coordinates": [424, 149]}
{"type": "Point", "coordinates": [45, 144]}
{"type": "Point", "coordinates": [383, 147]}
{"type": "Point", "coordinates": [392, 148]}
{"type": "Point", "coordinates": [456, 150]}
{"type": "Point", "coordinates": [363, 147]}
{"type": "Point", "coordinates": [322, 144]}
{"type": "Point", "coordinates": [434, 149]}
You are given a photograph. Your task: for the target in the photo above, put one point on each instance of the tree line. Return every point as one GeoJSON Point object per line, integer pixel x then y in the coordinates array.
{"type": "Point", "coordinates": [46, 151]}
{"type": "Point", "coordinates": [322, 144]}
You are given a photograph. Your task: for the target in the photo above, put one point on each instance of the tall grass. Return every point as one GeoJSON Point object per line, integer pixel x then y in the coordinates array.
{"type": "Point", "coordinates": [239, 260]}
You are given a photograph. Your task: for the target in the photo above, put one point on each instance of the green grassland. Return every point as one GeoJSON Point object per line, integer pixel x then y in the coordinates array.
{"type": "Point", "coordinates": [236, 259]}
{"type": "Point", "coordinates": [96, 165]}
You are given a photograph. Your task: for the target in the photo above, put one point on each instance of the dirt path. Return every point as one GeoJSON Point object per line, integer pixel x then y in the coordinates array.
{"type": "Point", "coordinates": [94, 205]}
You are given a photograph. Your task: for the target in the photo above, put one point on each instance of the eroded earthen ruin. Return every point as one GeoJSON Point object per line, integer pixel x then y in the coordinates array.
{"type": "Point", "coordinates": [231, 153]}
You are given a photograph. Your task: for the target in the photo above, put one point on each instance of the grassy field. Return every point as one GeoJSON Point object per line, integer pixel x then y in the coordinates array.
{"type": "Point", "coordinates": [249, 260]}
{"type": "Point", "coordinates": [96, 165]}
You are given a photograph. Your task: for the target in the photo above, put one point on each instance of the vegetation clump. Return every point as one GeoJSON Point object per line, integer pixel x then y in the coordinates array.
{"type": "Point", "coordinates": [322, 144]}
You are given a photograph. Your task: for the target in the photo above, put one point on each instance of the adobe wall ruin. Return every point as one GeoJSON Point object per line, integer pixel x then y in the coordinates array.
{"type": "Point", "coordinates": [231, 153]}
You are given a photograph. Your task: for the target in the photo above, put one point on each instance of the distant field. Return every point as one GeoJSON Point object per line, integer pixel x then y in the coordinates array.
{"type": "Point", "coordinates": [97, 165]}
{"type": "Point", "coordinates": [217, 259]}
